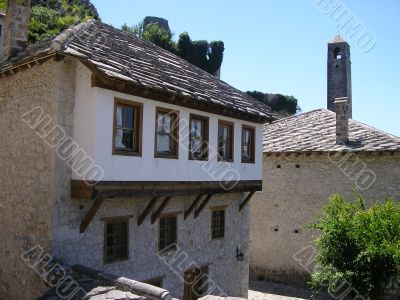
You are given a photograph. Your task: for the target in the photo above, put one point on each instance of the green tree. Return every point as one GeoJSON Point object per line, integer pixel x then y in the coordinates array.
{"type": "Point", "coordinates": [281, 104]}
{"type": "Point", "coordinates": [207, 56]}
{"type": "Point", "coordinates": [358, 245]}
{"type": "Point", "coordinates": [49, 17]}
{"type": "Point", "coordinates": [158, 36]}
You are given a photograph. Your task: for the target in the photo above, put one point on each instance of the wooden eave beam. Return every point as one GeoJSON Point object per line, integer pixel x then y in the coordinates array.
{"type": "Point", "coordinates": [90, 214]}
{"type": "Point", "coordinates": [202, 205]}
{"type": "Point", "coordinates": [192, 207]}
{"type": "Point", "coordinates": [249, 196]}
{"type": "Point", "coordinates": [122, 189]}
{"type": "Point", "coordinates": [160, 209]}
{"type": "Point", "coordinates": [147, 210]}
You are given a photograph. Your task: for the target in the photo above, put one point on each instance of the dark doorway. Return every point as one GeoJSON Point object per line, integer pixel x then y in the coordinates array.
{"type": "Point", "coordinates": [196, 283]}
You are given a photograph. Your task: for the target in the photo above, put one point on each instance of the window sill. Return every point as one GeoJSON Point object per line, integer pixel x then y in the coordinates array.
{"type": "Point", "coordinates": [167, 251]}
{"type": "Point", "coordinates": [225, 160]}
{"type": "Point", "coordinates": [109, 262]}
{"type": "Point", "coordinates": [167, 156]}
{"type": "Point", "coordinates": [199, 158]}
{"type": "Point", "coordinates": [248, 161]}
{"type": "Point", "coordinates": [126, 153]}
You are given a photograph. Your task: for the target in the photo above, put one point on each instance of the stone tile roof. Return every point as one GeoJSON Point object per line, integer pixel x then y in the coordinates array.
{"type": "Point", "coordinates": [131, 59]}
{"type": "Point", "coordinates": [315, 131]}
{"type": "Point", "coordinates": [97, 285]}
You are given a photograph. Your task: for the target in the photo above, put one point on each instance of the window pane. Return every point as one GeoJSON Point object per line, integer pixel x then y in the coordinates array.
{"type": "Point", "coordinates": [127, 139]}
{"type": "Point", "coordinates": [246, 136]}
{"type": "Point", "coordinates": [218, 224]}
{"type": "Point", "coordinates": [223, 149]}
{"type": "Point", "coordinates": [167, 235]}
{"type": "Point", "coordinates": [130, 116]}
{"type": "Point", "coordinates": [246, 152]}
{"type": "Point", "coordinates": [163, 143]}
{"type": "Point", "coordinates": [118, 116]}
{"type": "Point", "coordinates": [116, 241]}
{"type": "Point", "coordinates": [197, 128]}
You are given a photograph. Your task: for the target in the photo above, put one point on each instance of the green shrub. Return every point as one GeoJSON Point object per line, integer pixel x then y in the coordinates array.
{"type": "Point", "coordinates": [358, 245]}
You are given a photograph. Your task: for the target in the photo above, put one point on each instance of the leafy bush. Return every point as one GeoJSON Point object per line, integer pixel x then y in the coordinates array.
{"type": "Point", "coordinates": [207, 56]}
{"type": "Point", "coordinates": [49, 17]}
{"type": "Point", "coordinates": [358, 245]}
{"type": "Point", "coordinates": [281, 104]}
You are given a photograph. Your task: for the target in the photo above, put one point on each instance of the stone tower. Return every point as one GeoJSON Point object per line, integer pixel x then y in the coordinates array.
{"type": "Point", "coordinates": [16, 27]}
{"type": "Point", "coordinates": [339, 72]}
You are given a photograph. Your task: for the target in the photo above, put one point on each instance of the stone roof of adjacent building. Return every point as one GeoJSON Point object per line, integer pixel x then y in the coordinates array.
{"type": "Point", "coordinates": [98, 285]}
{"type": "Point", "coordinates": [315, 131]}
{"type": "Point", "coordinates": [130, 59]}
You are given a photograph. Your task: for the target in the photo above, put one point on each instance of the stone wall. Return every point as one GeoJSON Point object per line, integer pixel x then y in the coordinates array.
{"type": "Point", "coordinates": [2, 28]}
{"type": "Point", "coordinates": [195, 245]}
{"type": "Point", "coordinates": [26, 175]}
{"type": "Point", "coordinates": [294, 189]}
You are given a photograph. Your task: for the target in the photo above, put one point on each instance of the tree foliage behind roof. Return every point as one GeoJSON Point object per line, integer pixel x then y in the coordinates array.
{"type": "Point", "coordinates": [206, 55]}
{"type": "Point", "coordinates": [49, 17]}
{"type": "Point", "coordinates": [280, 104]}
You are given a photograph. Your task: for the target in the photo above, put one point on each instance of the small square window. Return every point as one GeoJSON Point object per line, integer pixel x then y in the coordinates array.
{"type": "Point", "coordinates": [198, 140]}
{"type": "Point", "coordinates": [248, 144]}
{"type": "Point", "coordinates": [127, 128]}
{"type": "Point", "coordinates": [225, 141]}
{"type": "Point", "coordinates": [116, 241]}
{"type": "Point", "coordinates": [217, 223]}
{"type": "Point", "coordinates": [167, 237]}
{"type": "Point", "coordinates": [167, 128]}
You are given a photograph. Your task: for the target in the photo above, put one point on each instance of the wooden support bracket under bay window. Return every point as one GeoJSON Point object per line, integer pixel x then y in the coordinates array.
{"type": "Point", "coordinates": [202, 205]}
{"type": "Point", "coordinates": [90, 214]}
{"type": "Point", "coordinates": [249, 196]}
{"type": "Point", "coordinates": [160, 209]}
{"type": "Point", "coordinates": [192, 206]}
{"type": "Point", "coordinates": [147, 210]}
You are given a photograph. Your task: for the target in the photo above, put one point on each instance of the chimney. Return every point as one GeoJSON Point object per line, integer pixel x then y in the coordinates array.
{"type": "Point", "coordinates": [342, 120]}
{"type": "Point", "coordinates": [16, 27]}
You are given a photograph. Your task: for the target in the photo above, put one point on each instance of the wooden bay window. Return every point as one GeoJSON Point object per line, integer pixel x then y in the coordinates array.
{"type": "Point", "coordinates": [127, 128]}
{"type": "Point", "coordinates": [248, 144]}
{"type": "Point", "coordinates": [198, 139]}
{"type": "Point", "coordinates": [225, 141]}
{"type": "Point", "coordinates": [167, 130]}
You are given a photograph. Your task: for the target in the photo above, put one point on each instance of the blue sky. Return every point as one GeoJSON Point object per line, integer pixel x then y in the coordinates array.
{"type": "Point", "coordinates": [279, 46]}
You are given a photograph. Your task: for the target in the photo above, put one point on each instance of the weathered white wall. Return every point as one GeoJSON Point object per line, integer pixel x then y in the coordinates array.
{"type": "Point", "coordinates": [194, 240]}
{"type": "Point", "coordinates": [293, 197]}
{"type": "Point", "coordinates": [93, 129]}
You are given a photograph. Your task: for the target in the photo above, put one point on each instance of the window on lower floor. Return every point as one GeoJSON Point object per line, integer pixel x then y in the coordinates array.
{"type": "Point", "coordinates": [116, 240]}
{"type": "Point", "coordinates": [217, 223]}
{"type": "Point", "coordinates": [167, 237]}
